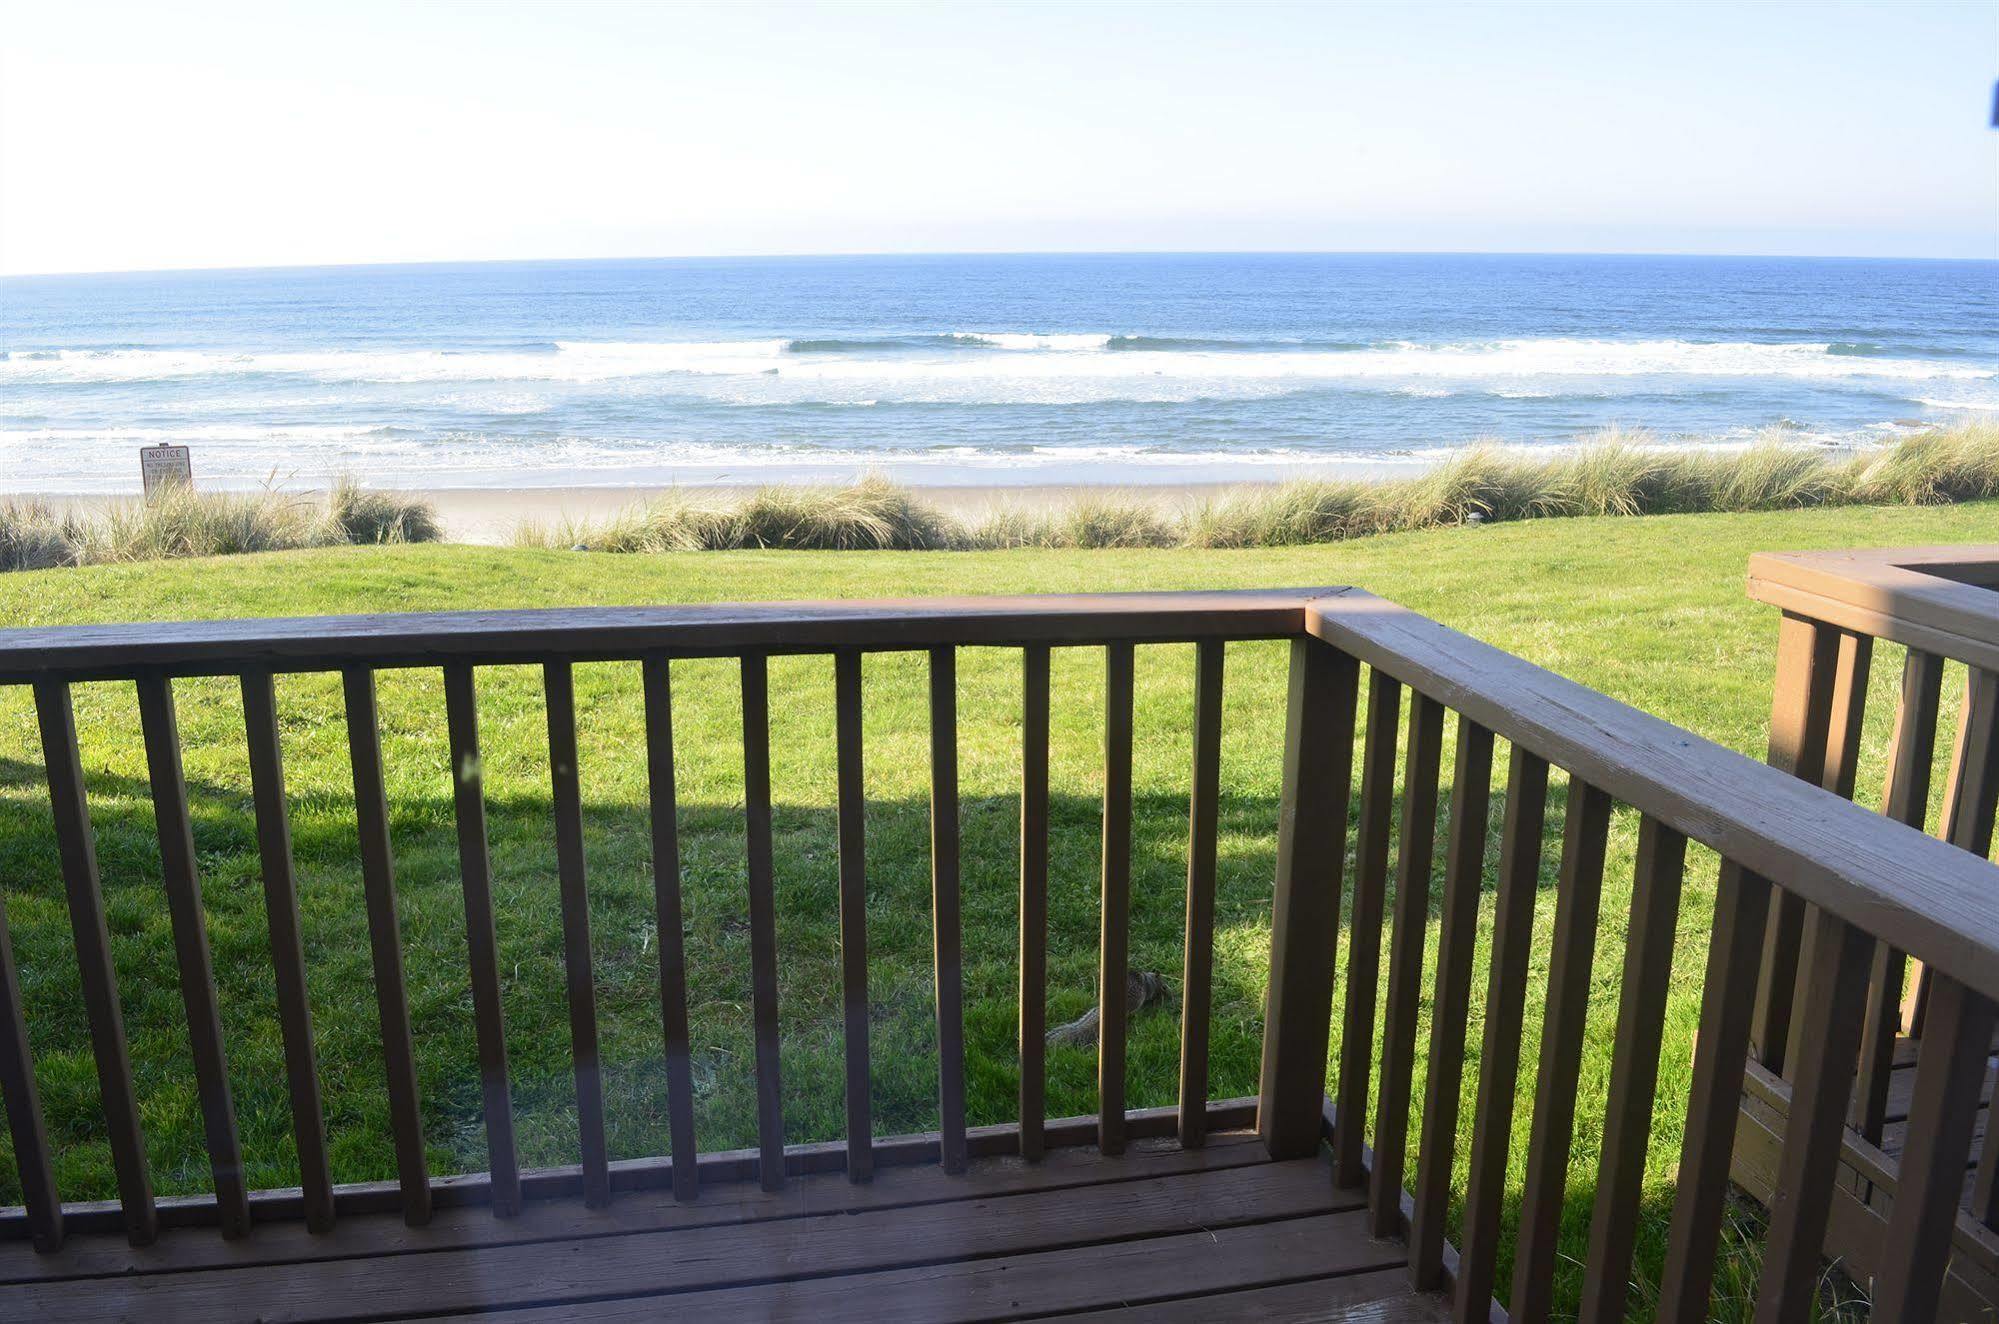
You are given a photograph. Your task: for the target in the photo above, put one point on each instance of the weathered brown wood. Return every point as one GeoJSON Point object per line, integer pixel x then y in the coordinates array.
{"type": "Point", "coordinates": [385, 941]}
{"type": "Point", "coordinates": [160, 730]}
{"type": "Point", "coordinates": [1044, 1283]}
{"type": "Point", "coordinates": [1033, 997]}
{"type": "Point", "coordinates": [723, 1272]}
{"type": "Point", "coordinates": [898, 1184]}
{"type": "Point", "coordinates": [1405, 960]}
{"type": "Point", "coordinates": [1380, 1296]}
{"type": "Point", "coordinates": [1499, 1057]}
{"type": "Point", "coordinates": [1197, 967]}
{"type": "Point", "coordinates": [1985, 1180]}
{"type": "Point", "coordinates": [1800, 723]}
{"type": "Point", "coordinates": [1853, 659]}
{"type": "Point", "coordinates": [1114, 959]}
{"type": "Point", "coordinates": [1934, 598]}
{"type": "Point", "coordinates": [1450, 1007]}
{"type": "Point", "coordinates": [1950, 1078]}
{"type": "Point", "coordinates": [1229, 1123]}
{"type": "Point", "coordinates": [1634, 1071]}
{"type": "Point", "coordinates": [1579, 891]}
{"type": "Point", "coordinates": [763, 918]}
{"type": "Point", "coordinates": [1822, 1077]}
{"type": "Point", "coordinates": [77, 849]}
{"type": "Point", "coordinates": [1906, 799]}
{"type": "Point", "coordinates": [1861, 1209]}
{"type": "Point", "coordinates": [584, 634]}
{"type": "Point", "coordinates": [947, 956]}
{"type": "Point", "coordinates": [1370, 889]}
{"type": "Point", "coordinates": [461, 715]}
{"type": "Point", "coordinates": [274, 851]}
{"type": "Point", "coordinates": [1305, 910]}
{"type": "Point", "coordinates": [1969, 800]}
{"type": "Point", "coordinates": [1841, 857]}
{"type": "Point", "coordinates": [852, 814]}
{"type": "Point", "coordinates": [1734, 956]}
{"type": "Point", "coordinates": [656, 677]}
{"type": "Point", "coordinates": [559, 687]}
{"type": "Point", "coordinates": [25, 1124]}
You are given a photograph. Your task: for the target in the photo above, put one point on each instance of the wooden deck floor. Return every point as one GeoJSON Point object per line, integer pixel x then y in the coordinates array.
{"type": "Point", "coordinates": [1160, 1234]}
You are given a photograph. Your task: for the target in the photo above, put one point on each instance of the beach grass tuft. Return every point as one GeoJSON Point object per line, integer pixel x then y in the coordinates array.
{"type": "Point", "coordinates": [1614, 472]}
{"type": "Point", "coordinates": [366, 515]}
{"type": "Point", "coordinates": [182, 522]}
{"type": "Point", "coordinates": [35, 536]}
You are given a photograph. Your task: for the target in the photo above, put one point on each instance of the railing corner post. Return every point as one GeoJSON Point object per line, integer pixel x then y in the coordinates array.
{"type": "Point", "coordinates": [1304, 922]}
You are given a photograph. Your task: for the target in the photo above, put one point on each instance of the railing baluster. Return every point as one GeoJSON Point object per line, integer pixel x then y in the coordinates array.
{"type": "Point", "coordinates": [1370, 888]}
{"type": "Point", "coordinates": [1969, 800]}
{"type": "Point", "coordinates": [1197, 968]}
{"type": "Point", "coordinates": [461, 713]}
{"type": "Point", "coordinates": [657, 680]}
{"type": "Point", "coordinates": [1800, 716]}
{"type": "Point", "coordinates": [1499, 1055]}
{"type": "Point", "coordinates": [559, 686]}
{"type": "Point", "coordinates": [1033, 898]}
{"type": "Point", "coordinates": [1579, 890]}
{"type": "Point", "coordinates": [181, 876]}
{"type": "Point", "coordinates": [1114, 962]}
{"type": "Point", "coordinates": [1464, 877]}
{"type": "Point", "coordinates": [763, 918]}
{"type": "Point", "coordinates": [274, 850]}
{"type": "Point", "coordinates": [853, 909]}
{"type": "Point", "coordinates": [24, 1105]}
{"type": "Point", "coordinates": [371, 823]}
{"type": "Point", "coordinates": [1950, 1075]}
{"type": "Point", "coordinates": [1721, 1046]}
{"type": "Point", "coordinates": [1985, 1181]}
{"type": "Point", "coordinates": [1801, 1203]}
{"type": "Point", "coordinates": [947, 958]}
{"type": "Point", "coordinates": [1906, 799]}
{"type": "Point", "coordinates": [1842, 758]}
{"type": "Point", "coordinates": [1634, 1070]}
{"type": "Point", "coordinates": [1305, 906]}
{"type": "Point", "coordinates": [76, 845]}
{"type": "Point", "coordinates": [1405, 961]}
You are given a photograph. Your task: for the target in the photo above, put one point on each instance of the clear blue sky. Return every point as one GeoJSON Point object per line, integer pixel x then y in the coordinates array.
{"type": "Point", "coordinates": [193, 134]}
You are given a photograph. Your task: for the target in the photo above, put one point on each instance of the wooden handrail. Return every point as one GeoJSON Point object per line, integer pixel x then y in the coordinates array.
{"type": "Point", "coordinates": [583, 634]}
{"type": "Point", "coordinates": [1867, 879]}
{"type": "Point", "coordinates": [1896, 883]}
{"type": "Point", "coordinates": [1939, 604]}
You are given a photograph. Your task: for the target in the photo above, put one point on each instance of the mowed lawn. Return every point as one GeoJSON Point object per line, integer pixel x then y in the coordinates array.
{"type": "Point", "coordinates": [1649, 610]}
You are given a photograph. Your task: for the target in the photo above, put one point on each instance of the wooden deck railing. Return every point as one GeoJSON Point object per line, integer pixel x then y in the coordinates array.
{"type": "Point", "coordinates": [1939, 607]}
{"type": "Point", "coordinates": [1871, 880]}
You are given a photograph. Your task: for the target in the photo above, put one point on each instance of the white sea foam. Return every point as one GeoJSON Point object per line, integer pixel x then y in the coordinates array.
{"type": "Point", "coordinates": [1033, 340]}
{"type": "Point", "coordinates": [1022, 367]}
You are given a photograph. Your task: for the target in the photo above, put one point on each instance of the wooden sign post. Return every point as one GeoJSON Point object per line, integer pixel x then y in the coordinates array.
{"type": "Point", "coordinates": [164, 466]}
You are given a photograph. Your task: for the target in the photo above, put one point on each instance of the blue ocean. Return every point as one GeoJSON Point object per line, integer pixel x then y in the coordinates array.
{"type": "Point", "coordinates": [965, 369]}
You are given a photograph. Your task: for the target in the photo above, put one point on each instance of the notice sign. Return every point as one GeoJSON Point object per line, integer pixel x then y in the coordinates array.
{"type": "Point", "coordinates": [165, 466]}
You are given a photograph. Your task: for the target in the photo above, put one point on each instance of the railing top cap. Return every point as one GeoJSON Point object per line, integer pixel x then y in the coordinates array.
{"type": "Point", "coordinates": [1921, 894]}
{"type": "Point", "coordinates": [1941, 599]}
{"type": "Point", "coordinates": [82, 652]}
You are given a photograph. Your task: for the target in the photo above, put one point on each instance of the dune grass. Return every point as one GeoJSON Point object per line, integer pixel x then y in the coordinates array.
{"type": "Point", "coordinates": [1650, 611]}
{"type": "Point", "coordinates": [1611, 473]}
{"type": "Point", "coordinates": [184, 522]}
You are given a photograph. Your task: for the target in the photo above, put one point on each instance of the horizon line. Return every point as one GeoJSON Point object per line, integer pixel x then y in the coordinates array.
{"type": "Point", "coordinates": [860, 254]}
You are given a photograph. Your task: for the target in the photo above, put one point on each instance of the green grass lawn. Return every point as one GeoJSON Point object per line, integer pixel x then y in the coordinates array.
{"type": "Point", "coordinates": [1649, 610]}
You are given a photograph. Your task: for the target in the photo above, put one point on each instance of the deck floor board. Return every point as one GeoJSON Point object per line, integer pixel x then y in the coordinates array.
{"type": "Point", "coordinates": [1209, 1234]}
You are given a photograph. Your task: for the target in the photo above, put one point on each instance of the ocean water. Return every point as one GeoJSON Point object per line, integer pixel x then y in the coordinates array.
{"type": "Point", "coordinates": [1027, 369]}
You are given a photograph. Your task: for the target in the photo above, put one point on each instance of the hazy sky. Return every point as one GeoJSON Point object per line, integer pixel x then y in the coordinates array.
{"type": "Point", "coordinates": [190, 134]}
